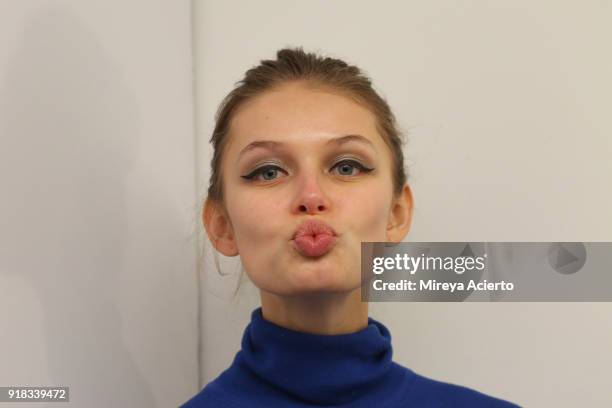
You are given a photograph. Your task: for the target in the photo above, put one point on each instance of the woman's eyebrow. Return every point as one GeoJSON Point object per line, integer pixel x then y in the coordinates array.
{"type": "Point", "coordinates": [274, 145]}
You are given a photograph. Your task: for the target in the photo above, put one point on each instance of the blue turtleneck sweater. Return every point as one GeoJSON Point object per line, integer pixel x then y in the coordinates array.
{"type": "Point", "coordinates": [279, 367]}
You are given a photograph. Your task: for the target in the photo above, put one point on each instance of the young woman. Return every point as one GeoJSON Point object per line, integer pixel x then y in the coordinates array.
{"type": "Point", "coordinates": [308, 164]}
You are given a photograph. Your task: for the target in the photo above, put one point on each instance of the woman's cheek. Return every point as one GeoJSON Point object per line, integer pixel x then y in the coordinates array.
{"type": "Point", "coordinates": [373, 219]}
{"type": "Point", "coordinates": [254, 221]}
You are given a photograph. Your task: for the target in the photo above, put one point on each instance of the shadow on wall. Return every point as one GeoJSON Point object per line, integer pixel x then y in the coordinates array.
{"type": "Point", "coordinates": [69, 126]}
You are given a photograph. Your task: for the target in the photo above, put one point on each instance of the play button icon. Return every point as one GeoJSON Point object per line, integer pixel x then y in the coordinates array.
{"type": "Point", "coordinates": [566, 257]}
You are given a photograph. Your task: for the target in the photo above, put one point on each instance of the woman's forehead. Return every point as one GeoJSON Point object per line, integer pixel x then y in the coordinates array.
{"type": "Point", "coordinates": [297, 114]}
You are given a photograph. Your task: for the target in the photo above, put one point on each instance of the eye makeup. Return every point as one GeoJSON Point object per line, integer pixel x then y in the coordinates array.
{"type": "Point", "coordinates": [266, 168]}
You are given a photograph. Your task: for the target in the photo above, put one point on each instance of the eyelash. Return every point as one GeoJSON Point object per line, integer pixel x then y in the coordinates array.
{"type": "Point", "coordinates": [251, 176]}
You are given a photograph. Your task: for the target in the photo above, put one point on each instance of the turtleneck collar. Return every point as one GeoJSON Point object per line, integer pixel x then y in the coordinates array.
{"type": "Point", "coordinates": [323, 369]}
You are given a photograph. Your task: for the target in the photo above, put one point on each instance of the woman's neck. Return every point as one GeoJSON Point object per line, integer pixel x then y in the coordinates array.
{"type": "Point", "coordinates": [317, 313]}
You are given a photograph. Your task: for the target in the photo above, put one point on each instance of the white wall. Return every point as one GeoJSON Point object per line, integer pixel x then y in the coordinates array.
{"type": "Point", "coordinates": [97, 261]}
{"type": "Point", "coordinates": [506, 106]}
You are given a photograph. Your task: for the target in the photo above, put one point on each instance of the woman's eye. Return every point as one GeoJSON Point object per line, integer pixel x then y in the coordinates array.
{"type": "Point", "coordinates": [267, 173]}
{"type": "Point", "coordinates": [346, 167]}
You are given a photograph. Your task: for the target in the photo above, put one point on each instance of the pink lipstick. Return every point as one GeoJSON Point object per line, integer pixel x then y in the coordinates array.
{"type": "Point", "coordinates": [314, 238]}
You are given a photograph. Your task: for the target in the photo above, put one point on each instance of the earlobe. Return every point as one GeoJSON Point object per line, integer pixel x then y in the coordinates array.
{"type": "Point", "coordinates": [218, 228]}
{"type": "Point", "coordinates": [400, 217]}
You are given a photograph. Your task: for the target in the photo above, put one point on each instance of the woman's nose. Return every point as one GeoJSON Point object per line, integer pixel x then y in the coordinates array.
{"type": "Point", "coordinates": [310, 197]}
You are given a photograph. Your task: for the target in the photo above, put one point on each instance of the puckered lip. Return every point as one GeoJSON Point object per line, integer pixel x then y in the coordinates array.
{"type": "Point", "coordinates": [313, 227]}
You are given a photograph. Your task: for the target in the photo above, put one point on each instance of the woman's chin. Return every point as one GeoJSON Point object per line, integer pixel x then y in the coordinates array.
{"type": "Point", "coordinates": [312, 280]}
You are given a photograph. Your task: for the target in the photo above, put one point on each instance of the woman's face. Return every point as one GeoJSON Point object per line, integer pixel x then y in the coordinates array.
{"type": "Point", "coordinates": [310, 172]}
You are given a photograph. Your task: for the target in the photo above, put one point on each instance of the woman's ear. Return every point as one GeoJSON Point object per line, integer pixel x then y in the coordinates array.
{"type": "Point", "coordinates": [219, 228]}
{"type": "Point", "coordinates": [400, 217]}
